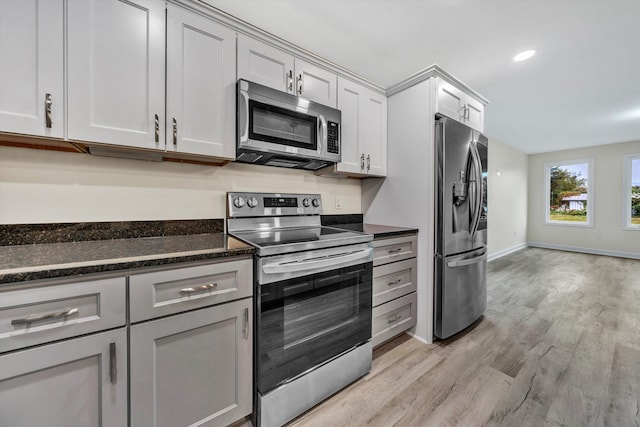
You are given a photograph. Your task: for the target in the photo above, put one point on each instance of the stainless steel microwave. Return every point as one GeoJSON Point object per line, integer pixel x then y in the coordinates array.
{"type": "Point", "coordinates": [278, 129]}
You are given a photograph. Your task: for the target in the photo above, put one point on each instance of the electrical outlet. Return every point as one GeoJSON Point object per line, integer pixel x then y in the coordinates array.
{"type": "Point", "coordinates": [338, 203]}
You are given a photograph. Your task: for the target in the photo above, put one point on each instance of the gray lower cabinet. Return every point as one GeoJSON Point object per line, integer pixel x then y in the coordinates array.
{"type": "Point", "coordinates": [77, 382]}
{"type": "Point", "coordinates": [394, 287]}
{"type": "Point", "coordinates": [193, 368]}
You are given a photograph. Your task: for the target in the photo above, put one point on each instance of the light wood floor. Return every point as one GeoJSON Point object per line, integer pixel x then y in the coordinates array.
{"type": "Point", "coordinates": [559, 345]}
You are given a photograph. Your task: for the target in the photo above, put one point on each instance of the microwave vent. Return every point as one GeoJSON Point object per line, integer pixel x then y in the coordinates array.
{"type": "Point", "coordinates": [250, 157]}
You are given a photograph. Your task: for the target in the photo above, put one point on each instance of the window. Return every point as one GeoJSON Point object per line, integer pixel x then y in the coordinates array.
{"type": "Point", "coordinates": [631, 191]}
{"type": "Point", "coordinates": [569, 192]}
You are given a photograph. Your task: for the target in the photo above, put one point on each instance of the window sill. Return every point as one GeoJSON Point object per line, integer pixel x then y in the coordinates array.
{"type": "Point", "coordinates": [569, 224]}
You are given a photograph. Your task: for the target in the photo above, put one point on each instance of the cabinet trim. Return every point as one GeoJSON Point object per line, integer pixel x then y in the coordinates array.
{"type": "Point", "coordinates": [435, 71]}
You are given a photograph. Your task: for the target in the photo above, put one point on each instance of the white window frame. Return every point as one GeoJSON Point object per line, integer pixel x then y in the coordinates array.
{"type": "Point", "coordinates": [626, 192]}
{"type": "Point", "coordinates": [590, 193]}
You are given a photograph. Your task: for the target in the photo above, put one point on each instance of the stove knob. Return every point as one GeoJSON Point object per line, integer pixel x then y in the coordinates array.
{"type": "Point", "coordinates": [252, 202]}
{"type": "Point", "coordinates": [316, 202]}
{"type": "Point", "coordinates": [238, 202]}
{"type": "Point", "coordinates": [306, 202]}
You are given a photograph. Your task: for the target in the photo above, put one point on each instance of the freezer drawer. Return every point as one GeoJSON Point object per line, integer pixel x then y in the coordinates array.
{"type": "Point", "coordinates": [460, 291]}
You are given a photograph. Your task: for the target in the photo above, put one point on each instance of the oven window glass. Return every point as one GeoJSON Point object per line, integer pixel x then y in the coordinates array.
{"type": "Point", "coordinates": [278, 125]}
{"type": "Point", "coordinates": [308, 320]}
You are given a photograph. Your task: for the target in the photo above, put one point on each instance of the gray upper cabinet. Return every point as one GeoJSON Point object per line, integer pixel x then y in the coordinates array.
{"type": "Point", "coordinates": [115, 65]}
{"type": "Point", "coordinates": [262, 63]}
{"type": "Point", "coordinates": [116, 85]}
{"type": "Point", "coordinates": [364, 131]}
{"type": "Point", "coordinates": [31, 66]}
{"type": "Point", "coordinates": [458, 105]}
{"type": "Point", "coordinates": [201, 77]}
{"type": "Point", "coordinates": [193, 368]}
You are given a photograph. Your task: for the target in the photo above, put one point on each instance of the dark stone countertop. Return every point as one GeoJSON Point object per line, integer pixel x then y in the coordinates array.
{"type": "Point", "coordinates": [378, 231]}
{"type": "Point", "coordinates": [53, 260]}
{"type": "Point", "coordinates": [354, 222]}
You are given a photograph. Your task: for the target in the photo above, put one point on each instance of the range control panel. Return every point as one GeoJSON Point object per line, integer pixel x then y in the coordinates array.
{"type": "Point", "coordinates": [272, 204]}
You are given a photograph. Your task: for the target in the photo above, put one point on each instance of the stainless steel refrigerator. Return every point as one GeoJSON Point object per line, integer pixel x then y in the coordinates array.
{"type": "Point", "coordinates": [461, 227]}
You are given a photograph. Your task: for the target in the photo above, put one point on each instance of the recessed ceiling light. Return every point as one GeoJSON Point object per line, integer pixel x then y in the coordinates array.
{"type": "Point", "coordinates": [524, 55]}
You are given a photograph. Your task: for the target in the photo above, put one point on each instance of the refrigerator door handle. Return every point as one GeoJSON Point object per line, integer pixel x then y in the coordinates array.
{"type": "Point", "coordinates": [470, 261]}
{"type": "Point", "coordinates": [477, 208]}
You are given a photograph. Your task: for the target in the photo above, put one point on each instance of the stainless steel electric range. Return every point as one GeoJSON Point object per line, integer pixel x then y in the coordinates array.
{"type": "Point", "coordinates": [312, 301]}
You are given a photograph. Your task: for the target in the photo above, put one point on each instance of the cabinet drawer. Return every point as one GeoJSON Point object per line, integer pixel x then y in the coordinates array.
{"type": "Point", "coordinates": [38, 315]}
{"type": "Point", "coordinates": [392, 318]}
{"type": "Point", "coordinates": [166, 292]}
{"type": "Point", "coordinates": [395, 249]}
{"type": "Point", "coordinates": [391, 281]}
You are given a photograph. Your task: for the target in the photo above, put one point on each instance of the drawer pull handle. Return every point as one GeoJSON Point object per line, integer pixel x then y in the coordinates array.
{"type": "Point", "coordinates": [113, 363]}
{"type": "Point", "coordinates": [395, 251]}
{"type": "Point", "coordinates": [245, 329]}
{"type": "Point", "coordinates": [40, 317]}
{"type": "Point", "coordinates": [394, 319]}
{"type": "Point", "coordinates": [202, 288]}
{"type": "Point", "coordinates": [395, 282]}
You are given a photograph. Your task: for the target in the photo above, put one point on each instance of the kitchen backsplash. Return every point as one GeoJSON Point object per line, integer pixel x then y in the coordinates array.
{"type": "Point", "coordinates": [54, 187]}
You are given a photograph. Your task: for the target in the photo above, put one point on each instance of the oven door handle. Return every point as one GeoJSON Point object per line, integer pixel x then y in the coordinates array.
{"type": "Point", "coordinates": [304, 264]}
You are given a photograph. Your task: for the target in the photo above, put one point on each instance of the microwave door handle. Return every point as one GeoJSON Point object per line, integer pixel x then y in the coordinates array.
{"type": "Point", "coordinates": [244, 115]}
{"type": "Point", "coordinates": [322, 127]}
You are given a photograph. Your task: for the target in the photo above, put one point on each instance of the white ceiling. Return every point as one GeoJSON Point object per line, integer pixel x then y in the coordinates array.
{"type": "Point", "coordinates": [582, 87]}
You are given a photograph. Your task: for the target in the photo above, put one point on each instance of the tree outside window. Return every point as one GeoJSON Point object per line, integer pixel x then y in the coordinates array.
{"type": "Point", "coordinates": [632, 191]}
{"type": "Point", "coordinates": [568, 199]}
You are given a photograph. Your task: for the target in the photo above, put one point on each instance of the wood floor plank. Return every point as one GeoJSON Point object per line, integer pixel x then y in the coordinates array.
{"type": "Point", "coordinates": [623, 407]}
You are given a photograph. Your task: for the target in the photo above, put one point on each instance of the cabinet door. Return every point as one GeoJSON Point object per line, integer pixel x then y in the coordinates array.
{"type": "Point", "coordinates": [373, 132]}
{"type": "Point", "coordinates": [193, 368]}
{"type": "Point", "coordinates": [349, 95]}
{"type": "Point", "coordinates": [80, 382]}
{"type": "Point", "coordinates": [201, 76]}
{"type": "Point", "coordinates": [31, 66]}
{"type": "Point", "coordinates": [263, 64]}
{"type": "Point", "coordinates": [475, 114]}
{"type": "Point", "coordinates": [115, 63]}
{"type": "Point", "coordinates": [450, 101]}
{"type": "Point", "coordinates": [315, 83]}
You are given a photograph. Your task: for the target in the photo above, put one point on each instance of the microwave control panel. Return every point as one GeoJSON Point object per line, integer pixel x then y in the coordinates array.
{"type": "Point", "coordinates": [333, 138]}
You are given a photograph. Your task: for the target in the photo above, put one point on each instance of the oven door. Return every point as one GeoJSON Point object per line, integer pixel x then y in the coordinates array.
{"type": "Point", "coordinates": [305, 321]}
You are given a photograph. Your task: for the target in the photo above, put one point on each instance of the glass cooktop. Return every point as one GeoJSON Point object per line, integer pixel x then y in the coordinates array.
{"type": "Point", "coordinates": [281, 240]}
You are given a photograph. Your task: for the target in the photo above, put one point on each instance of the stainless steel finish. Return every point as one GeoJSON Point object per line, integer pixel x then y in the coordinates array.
{"type": "Point", "coordinates": [290, 77]}
{"type": "Point", "coordinates": [281, 267]}
{"type": "Point", "coordinates": [40, 317]}
{"type": "Point", "coordinates": [239, 207]}
{"type": "Point", "coordinates": [288, 401]}
{"type": "Point", "coordinates": [252, 149]}
{"type": "Point", "coordinates": [175, 131]}
{"type": "Point", "coordinates": [477, 188]}
{"type": "Point", "coordinates": [197, 289]}
{"type": "Point", "coordinates": [461, 292]}
{"type": "Point", "coordinates": [157, 128]}
{"type": "Point", "coordinates": [113, 365]}
{"type": "Point", "coordinates": [467, 261]}
{"type": "Point", "coordinates": [48, 103]}
{"type": "Point", "coordinates": [362, 161]}
{"type": "Point", "coordinates": [368, 162]}
{"type": "Point", "coordinates": [299, 84]}
{"type": "Point", "coordinates": [461, 254]}
{"type": "Point", "coordinates": [245, 328]}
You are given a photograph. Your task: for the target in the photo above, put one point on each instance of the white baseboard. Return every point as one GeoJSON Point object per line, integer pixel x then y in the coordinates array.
{"type": "Point", "coordinates": [620, 254]}
{"type": "Point", "coordinates": [506, 251]}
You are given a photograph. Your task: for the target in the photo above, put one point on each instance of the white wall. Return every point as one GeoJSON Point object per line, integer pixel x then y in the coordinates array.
{"type": "Point", "coordinates": [607, 235]}
{"type": "Point", "coordinates": [48, 186]}
{"type": "Point", "coordinates": [507, 199]}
